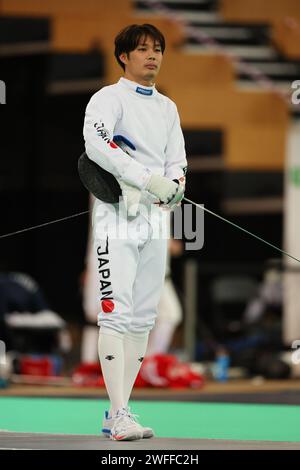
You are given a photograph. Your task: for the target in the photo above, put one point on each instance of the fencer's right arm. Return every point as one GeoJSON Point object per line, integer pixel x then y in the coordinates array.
{"type": "Point", "coordinates": [102, 114]}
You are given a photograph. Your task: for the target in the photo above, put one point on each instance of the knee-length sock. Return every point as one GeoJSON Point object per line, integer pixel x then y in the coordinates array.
{"type": "Point", "coordinates": [135, 345]}
{"type": "Point", "coordinates": [112, 360]}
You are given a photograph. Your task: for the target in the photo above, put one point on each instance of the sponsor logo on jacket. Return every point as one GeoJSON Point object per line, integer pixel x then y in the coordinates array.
{"type": "Point", "coordinates": [104, 134]}
{"type": "Point", "coordinates": [144, 91]}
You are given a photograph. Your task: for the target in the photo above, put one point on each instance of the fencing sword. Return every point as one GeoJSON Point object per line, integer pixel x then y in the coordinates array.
{"type": "Point", "coordinates": [200, 206]}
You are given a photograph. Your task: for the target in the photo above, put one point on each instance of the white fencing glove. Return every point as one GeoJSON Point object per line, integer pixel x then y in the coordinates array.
{"type": "Point", "coordinates": [167, 191]}
{"type": "Point", "coordinates": [172, 205]}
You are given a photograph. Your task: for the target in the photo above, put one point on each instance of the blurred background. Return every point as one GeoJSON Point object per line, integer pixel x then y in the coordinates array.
{"type": "Point", "coordinates": [232, 68]}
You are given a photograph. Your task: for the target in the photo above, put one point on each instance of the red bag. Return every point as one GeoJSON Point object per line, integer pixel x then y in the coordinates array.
{"type": "Point", "coordinates": [163, 370]}
{"type": "Point", "coordinates": [88, 375]}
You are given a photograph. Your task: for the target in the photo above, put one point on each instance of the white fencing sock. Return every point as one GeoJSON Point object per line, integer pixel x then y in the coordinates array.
{"type": "Point", "coordinates": [135, 345]}
{"type": "Point", "coordinates": [111, 355]}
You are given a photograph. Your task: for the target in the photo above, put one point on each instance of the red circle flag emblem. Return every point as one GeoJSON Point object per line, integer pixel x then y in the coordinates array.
{"type": "Point", "coordinates": [107, 306]}
{"type": "Point", "coordinates": [113, 145]}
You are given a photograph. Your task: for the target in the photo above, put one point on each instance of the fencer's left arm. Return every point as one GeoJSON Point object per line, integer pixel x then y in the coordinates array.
{"type": "Point", "coordinates": [176, 163]}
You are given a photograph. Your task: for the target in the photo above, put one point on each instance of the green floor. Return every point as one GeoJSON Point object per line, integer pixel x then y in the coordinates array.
{"type": "Point", "coordinates": [174, 419]}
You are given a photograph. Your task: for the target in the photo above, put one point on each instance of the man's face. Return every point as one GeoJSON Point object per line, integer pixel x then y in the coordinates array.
{"type": "Point", "coordinates": [143, 63]}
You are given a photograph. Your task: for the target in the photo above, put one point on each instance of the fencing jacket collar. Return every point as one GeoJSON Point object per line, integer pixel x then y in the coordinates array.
{"type": "Point", "coordinates": [139, 90]}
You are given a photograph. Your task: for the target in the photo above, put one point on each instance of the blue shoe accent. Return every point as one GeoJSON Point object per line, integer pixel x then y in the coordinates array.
{"type": "Point", "coordinates": [106, 431]}
{"type": "Point", "coordinates": [107, 421]}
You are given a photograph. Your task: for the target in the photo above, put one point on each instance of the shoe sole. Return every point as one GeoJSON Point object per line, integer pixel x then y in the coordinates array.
{"type": "Point", "coordinates": [133, 437]}
{"type": "Point", "coordinates": [148, 435]}
{"type": "Point", "coordinates": [145, 435]}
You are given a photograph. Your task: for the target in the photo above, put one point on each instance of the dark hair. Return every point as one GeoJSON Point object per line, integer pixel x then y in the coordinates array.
{"type": "Point", "coordinates": [128, 39]}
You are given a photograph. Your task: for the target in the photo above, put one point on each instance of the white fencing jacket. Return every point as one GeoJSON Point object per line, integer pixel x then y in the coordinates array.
{"type": "Point", "coordinates": [148, 119]}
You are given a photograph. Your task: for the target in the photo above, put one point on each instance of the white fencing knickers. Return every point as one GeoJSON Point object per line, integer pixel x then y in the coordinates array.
{"type": "Point", "coordinates": [131, 263]}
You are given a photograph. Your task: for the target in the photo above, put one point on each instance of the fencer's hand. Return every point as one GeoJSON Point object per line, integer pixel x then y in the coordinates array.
{"type": "Point", "coordinates": [167, 191]}
{"type": "Point", "coordinates": [132, 196]}
{"type": "Point", "coordinates": [172, 205]}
